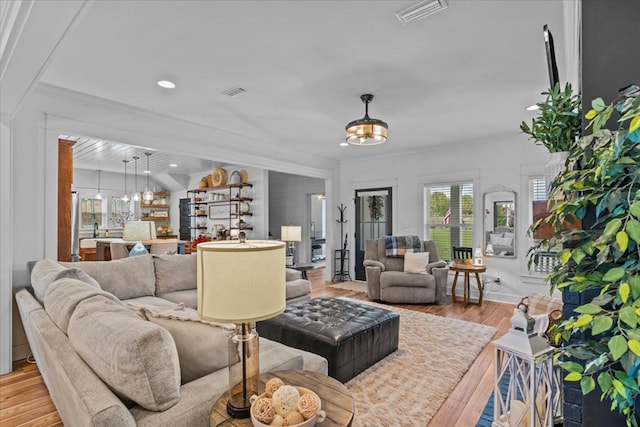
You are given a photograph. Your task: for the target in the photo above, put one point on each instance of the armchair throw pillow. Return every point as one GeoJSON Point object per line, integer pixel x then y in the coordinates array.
{"type": "Point", "coordinates": [416, 262]}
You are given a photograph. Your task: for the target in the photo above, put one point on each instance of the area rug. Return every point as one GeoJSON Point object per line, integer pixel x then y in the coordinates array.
{"type": "Point", "coordinates": [406, 388]}
{"type": "Point", "coordinates": [354, 285]}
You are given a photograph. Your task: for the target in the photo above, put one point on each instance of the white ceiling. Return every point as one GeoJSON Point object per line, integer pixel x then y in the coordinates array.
{"type": "Point", "coordinates": [460, 76]}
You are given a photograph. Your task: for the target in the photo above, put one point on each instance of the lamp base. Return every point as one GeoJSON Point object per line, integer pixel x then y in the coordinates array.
{"type": "Point", "coordinates": [237, 407]}
{"type": "Point", "coordinates": [244, 369]}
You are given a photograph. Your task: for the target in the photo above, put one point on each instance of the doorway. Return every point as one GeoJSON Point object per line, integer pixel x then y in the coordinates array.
{"type": "Point", "coordinates": [318, 218]}
{"type": "Point", "coordinates": [373, 221]}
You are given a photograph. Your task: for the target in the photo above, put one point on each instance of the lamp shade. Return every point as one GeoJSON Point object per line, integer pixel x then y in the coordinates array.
{"type": "Point", "coordinates": [241, 282]}
{"type": "Point", "coordinates": [139, 230]}
{"type": "Point", "coordinates": [291, 233]}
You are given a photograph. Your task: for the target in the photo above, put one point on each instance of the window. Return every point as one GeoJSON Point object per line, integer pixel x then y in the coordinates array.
{"type": "Point", "coordinates": [448, 213]}
{"type": "Point", "coordinates": [544, 260]}
{"type": "Point", "coordinates": [92, 212]}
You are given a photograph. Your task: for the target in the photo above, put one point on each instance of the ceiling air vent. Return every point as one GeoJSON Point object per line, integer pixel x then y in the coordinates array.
{"type": "Point", "coordinates": [421, 10]}
{"type": "Point", "coordinates": [234, 91]}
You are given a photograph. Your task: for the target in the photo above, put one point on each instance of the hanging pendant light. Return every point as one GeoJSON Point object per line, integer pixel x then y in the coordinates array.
{"type": "Point", "coordinates": [366, 131]}
{"type": "Point", "coordinates": [98, 195]}
{"type": "Point", "coordinates": [147, 196]}
{"type": "Point", "coordinates": [136, 194]}
{"type": "Point", "coordinates": [125, 198]}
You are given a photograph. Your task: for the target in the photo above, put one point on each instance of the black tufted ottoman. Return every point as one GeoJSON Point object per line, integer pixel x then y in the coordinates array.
{"type": "Point", "coordinates": [351, 336]}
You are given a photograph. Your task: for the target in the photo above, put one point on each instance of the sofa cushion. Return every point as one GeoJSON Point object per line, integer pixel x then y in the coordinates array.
{"type": "Point", "coordinates": [46, 271]}
{"type": "Point", "coordinates": [390, 279]}
{"type": "Point", "coordinates": [135, 358]}
{"type": "Point", "coordinates": [297, 288]}
{"type": "Point", "coordinates": [125, 278]}
{"type": "Point", "coordinates": [202, 345]}
{"type": "Point", "coordinates": [416, 262]}
{"type": "Point", "coordinates": [175, 273]}
{"type": "Point", "coordinates": [64, 295]}
{"type": "Point", "coordinates": [189, 298]}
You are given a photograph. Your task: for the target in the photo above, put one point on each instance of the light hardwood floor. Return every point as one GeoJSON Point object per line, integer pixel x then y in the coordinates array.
{"type": "Point", "coordinates": [24, 399]}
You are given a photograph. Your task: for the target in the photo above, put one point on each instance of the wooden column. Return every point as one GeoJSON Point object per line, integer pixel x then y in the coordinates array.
{"type": "Point", "coordinates": [65, 181]}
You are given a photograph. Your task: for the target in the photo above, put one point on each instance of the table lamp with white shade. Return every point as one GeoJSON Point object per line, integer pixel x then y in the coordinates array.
{"type": "Point", "coordinates": [291, 234]}
{"type": "Point", "coordinates": [242, 283]}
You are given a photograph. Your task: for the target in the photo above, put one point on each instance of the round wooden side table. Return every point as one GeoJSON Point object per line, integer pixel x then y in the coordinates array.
{"type": "Point", "coordinates": [337, 400]}
{"type": "Point", "coordinates": [467, 269]}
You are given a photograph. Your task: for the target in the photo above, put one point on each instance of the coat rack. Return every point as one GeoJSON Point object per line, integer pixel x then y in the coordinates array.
{"type": "Point", "coordinates": [341, 255]}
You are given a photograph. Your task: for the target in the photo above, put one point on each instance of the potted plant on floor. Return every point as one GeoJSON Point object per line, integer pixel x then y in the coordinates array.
{"type": "Point", "coordinates": [557, 127]}
{"type": "Point", "coordinates": [602, 179]}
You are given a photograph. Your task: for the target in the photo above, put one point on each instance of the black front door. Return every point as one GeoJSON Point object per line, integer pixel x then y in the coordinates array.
{"type": "Point", "coordinates": [373, 220]}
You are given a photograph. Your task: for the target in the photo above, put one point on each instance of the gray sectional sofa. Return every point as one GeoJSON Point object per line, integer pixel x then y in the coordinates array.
{"type": "Point", "coordinates": [118, 344]}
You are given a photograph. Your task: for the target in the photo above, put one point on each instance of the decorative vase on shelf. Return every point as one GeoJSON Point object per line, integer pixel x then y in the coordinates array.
{"type": "Point", "coordinates": [555, 166]}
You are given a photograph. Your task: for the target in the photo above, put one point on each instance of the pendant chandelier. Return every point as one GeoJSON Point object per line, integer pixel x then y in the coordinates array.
{"type": "Point", "coordinates": [136, 194]}
{"type": "Point", "coordinates": [147, 196]}
{"type": "Point", "coordinates": [366, 131]}
{"type": "Point", "coordinates": [125, 198]}
{"type": "Point", "coordinates": [98, 195]}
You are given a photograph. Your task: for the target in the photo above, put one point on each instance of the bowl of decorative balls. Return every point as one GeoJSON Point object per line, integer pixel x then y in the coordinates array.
{"type": "Point", "coordinates": [286, 405]}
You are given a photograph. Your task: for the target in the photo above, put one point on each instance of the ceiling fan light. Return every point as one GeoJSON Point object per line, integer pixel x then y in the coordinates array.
{"type": "Point", "coordinates": [366, 131]}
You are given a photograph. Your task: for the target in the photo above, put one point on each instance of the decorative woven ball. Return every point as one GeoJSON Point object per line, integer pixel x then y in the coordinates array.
{"type": "Point", "coordinates": [285, 399]}
{"type": "Point", "coordinates": [263, 410]}
{"type": "Point", "coordinates": [272, 385]}
{"type": "Point", "coordinates": [308, 405]}
{"type": "Point", "coordinates": [278, 420]}
{"type": "Point", "coordinates": [293, 418]}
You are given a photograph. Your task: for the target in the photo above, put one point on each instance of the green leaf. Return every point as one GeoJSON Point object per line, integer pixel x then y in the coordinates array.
{"type": "Point", "coordinates": [583, 320]}
{"type": "Point", "coordinates": [571, 366]}
{"type": "Point", "coordinates": [565, 256]}
{"type": "Point", "coordinates": [633, 230]}
{"type": "Point", "coordinates": [617, 346]}
{"type": "Point", "coordinates": [573, 376]}
{"type": "Point", "coordinates": [635, 124]}
{"type": "Point", "coordinates": [612, 227]}
{"type": "Point", "coordinates": [613, 275]}
{"type": "Point", "coordinates": [634, 208]}
{"type": "Point", "coordinates": [624, 291]}
{"type": "Point", "coordinates": [605, 381]}
{"type": "Point", "coordinates": [598, 104]}
{"type": "Point", "coordinates": [634, 283]}
{"type": "Point", "coordinates": [623, 240]}
{"type": "Point", "coordinates": [628, 315]}
{"type": "Point", "coordinates": [634, 345]}
{"type": "Point", "coordinates": [619, 387]}
{"type": "Point", "coordinates": [601, 324]}
{"type": "Point", "coordinates": [588, 309]}
{"type": "Point", "coordinates": [587, 384]}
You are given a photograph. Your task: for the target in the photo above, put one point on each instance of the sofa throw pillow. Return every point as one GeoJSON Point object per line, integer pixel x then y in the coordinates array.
{"type": "Point", "coordinates": [493, 238]}
{"type": "Point", "coordinates": [202, 345]}
{"type": "Point", "coordinates": [46, 271]}
{"type": "Point", "coordinates": [416, 262]}
{"type": "Point", "coordinates": [135, 358]}
{"type": "Point", "coordinates": [64, 295]}
{"type": "Point", "coordinates": [175, 273]}
{"type": "Point", "coordinates": [125, 278]}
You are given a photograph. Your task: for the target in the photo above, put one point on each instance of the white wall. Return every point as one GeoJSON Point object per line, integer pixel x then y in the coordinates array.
{"type": "Point", "coordinates": [289, 205]}
{"type": "Point", "coordinates": [491, 165]}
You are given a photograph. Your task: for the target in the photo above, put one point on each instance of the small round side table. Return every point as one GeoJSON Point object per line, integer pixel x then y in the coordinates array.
{"type": "Point", "coordinates": [468, 269]}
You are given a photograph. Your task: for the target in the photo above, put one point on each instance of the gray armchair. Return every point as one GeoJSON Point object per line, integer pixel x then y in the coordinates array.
{"type": "Point", "coordinates": [387, 281]}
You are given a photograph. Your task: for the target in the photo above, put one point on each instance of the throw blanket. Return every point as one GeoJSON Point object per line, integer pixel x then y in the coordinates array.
{"type": "Point", "coordinates": [400, 245]}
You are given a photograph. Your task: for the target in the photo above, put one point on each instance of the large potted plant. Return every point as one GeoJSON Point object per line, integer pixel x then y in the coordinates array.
{"type": "Point", "coordinates": [557, 126]}
{"type": "Point", "coordinates": [601, 340]}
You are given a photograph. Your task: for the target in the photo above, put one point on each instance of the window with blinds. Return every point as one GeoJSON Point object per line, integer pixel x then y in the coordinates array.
{"type": "Point", "coordinates": [448, 216]}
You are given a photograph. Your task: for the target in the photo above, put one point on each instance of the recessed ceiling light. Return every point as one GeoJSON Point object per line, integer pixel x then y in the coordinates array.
{"type": "Point", "coordinates": [166, 84]}
{"type": "Point", "coordinates": [533, 107]}
{"type": "Point", "coordinates": [173, 165]}
{"type": "Point", "coordinates": [147, 172]}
